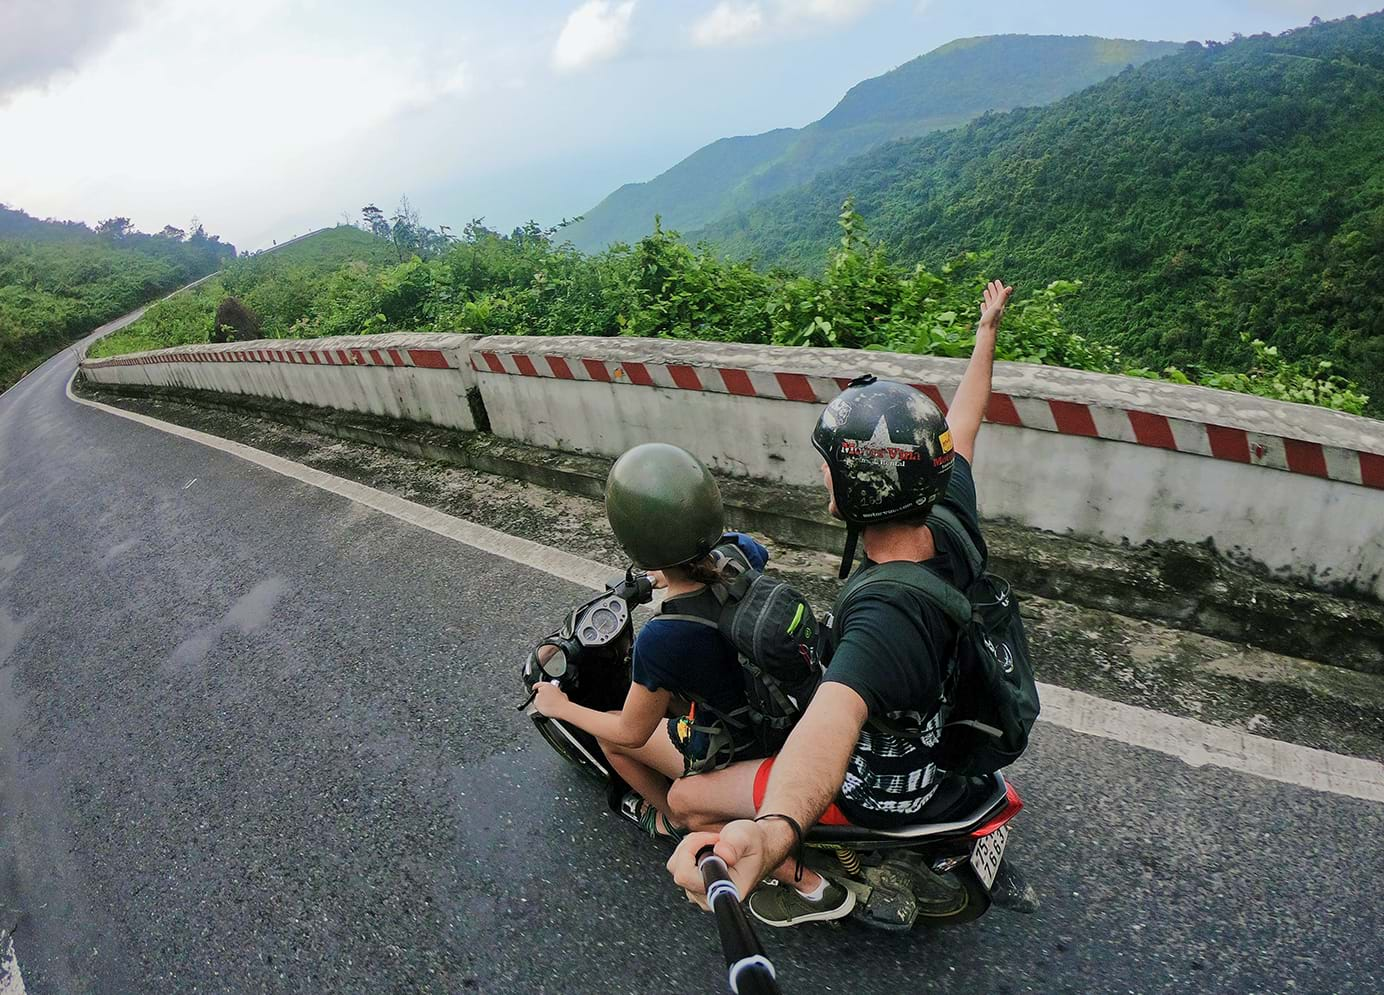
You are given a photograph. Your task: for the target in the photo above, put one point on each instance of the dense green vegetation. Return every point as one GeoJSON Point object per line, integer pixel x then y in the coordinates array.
{"type": "Point", "coordinates": [60, 279]}
{"type": "Point", "coordinates": [1221, 195]}
{"type": "Point", "coordinates": [280, 287]}
{"type": "Point", "coordinates": [945, 88]}
{"type": "Point", "coordinates": [528, 283]}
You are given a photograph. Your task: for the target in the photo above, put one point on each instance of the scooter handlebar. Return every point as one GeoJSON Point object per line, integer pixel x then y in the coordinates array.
{"type": "Point", "coordinates": [749, 971]}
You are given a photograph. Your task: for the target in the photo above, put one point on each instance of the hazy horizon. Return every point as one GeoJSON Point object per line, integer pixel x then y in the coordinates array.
{"type": "Point", "coordinates": [268, 119]}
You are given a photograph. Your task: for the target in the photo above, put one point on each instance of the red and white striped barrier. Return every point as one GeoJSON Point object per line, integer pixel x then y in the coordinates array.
{"type": "Point", "coordinates": [419, 377]}
{"type": "Point", "coordinates": [430, 359]}
{"type": "Point", "coordinates": [1096, 421]}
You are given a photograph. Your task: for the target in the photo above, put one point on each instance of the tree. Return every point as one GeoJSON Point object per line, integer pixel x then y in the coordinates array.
{"type": "Point", "coordinates": [115, 228]}
{"type": "Point", "coordinates": [406, 229]}
{"type": "Point", "coordinates": [374, 221]}
{"type": "Point", "coordinates": [172, 234]}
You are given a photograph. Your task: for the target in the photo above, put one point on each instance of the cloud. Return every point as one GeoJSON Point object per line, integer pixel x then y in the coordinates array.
{"type": "Point", "coordinates": [832, 11]}
{"type": "Point", "coordinates": [597, 31]}
{"type": "Point", "coordinates": [728, 23]}
{"type": "Point", "coordinates": [41, 39]}
{"type": "Point", "coordinates": [733, 22]}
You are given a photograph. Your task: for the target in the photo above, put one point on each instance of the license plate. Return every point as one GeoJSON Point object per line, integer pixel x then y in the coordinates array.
{"type": "Point", "coordinates": [985, 857]}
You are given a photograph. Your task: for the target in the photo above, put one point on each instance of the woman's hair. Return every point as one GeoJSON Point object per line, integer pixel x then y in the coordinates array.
{"type": "Point", "coordinates": [702, 571]}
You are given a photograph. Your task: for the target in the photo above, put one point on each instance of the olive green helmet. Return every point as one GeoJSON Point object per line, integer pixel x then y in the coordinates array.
{"type": "Point", "coordinates": [664, 506]}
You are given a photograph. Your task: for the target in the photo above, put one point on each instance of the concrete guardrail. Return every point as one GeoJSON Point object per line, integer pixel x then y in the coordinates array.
{"type": "Point", "coordinates": [1294, 489]}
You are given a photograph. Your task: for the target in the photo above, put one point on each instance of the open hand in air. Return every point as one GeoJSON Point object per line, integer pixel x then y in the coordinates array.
{"type": "Point", "coordinates": [992, 309]}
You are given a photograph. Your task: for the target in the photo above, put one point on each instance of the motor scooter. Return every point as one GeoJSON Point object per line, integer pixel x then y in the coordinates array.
{"type": "Point", "coordinates": [948, 869]}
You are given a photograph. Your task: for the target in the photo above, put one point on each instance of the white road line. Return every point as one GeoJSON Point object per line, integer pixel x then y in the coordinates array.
{"type": "Point", "coordinates": [11, 980]}
{"type": "Point", "coordinates": [1196, 743]}
{"type": "Point", "coordinates": [1200, 744]}
{"type": "Point", "coordinates": [576, 569]}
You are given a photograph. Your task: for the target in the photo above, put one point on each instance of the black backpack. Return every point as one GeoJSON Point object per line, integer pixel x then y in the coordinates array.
{"type": "Point", "coordinates": [774, 632]}
{"type": "Point", "coordinates": [990, 685]}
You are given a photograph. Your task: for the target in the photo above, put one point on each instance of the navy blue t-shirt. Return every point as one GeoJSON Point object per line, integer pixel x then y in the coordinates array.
{"type": "Point", "coordinates": [691, 660]}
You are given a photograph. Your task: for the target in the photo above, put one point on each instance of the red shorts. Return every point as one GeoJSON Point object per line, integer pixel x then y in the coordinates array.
{"type": "Point", "coordinates": [833, 816]}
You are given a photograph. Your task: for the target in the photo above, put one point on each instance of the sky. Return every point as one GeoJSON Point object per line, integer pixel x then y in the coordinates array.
{"type": "Point", "coordinates": [268, 118]}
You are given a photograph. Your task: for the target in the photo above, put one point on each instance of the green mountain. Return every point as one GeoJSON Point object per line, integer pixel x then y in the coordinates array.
{"type": "Point", "coordinates": [1224, 190]}
{"type": "Point", "coordinates": [945, 88]}
{"type": "Point", "coordinates": [60, 279]}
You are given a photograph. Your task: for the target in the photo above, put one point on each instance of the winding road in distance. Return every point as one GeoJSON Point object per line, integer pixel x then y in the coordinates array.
{"type": "Point", "coordinates": [259, 737]}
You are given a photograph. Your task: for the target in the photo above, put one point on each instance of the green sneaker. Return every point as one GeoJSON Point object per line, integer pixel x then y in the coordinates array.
{"type": "Point", "coordinates": [783, 905]}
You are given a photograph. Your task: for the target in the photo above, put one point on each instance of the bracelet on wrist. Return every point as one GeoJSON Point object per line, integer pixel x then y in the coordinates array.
{"type": "Point", "coordinates": [797, 851]}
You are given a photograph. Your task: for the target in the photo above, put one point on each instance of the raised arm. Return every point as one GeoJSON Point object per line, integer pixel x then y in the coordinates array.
{"type": "Point", "coordinates": [973, 395]}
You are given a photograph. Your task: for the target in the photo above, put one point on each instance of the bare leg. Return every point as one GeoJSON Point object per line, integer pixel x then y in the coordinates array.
{"type": "Point", "coordinates": [648, 769]}
{"type": "Point", "coordinates": [706, 802]}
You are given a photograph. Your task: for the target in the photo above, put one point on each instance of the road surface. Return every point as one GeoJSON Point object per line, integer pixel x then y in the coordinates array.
{"type": "Point", "coordinates": [258, 737]}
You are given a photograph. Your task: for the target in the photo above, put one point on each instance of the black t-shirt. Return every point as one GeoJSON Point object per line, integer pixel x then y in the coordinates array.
{"type": "Point", "coordinates": [893, 649]}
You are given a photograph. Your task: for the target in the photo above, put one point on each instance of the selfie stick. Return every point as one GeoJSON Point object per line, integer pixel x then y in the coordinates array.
{"type": "Point", "coordinates": [749, 970]}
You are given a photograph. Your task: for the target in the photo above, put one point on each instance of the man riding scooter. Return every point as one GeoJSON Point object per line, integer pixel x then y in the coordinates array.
{"type": "Point", "coordinates": [864, 751]}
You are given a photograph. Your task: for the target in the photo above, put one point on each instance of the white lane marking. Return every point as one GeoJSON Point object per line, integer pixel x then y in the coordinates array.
{"type": "Point", "coordinates": [1196, 743]}
{"type": "Point", "coordinates": [11, 980]}
{"type": "Point", "coordinates": [1199, 744]}
{"type": "Point", "coordinates": [576, 569]}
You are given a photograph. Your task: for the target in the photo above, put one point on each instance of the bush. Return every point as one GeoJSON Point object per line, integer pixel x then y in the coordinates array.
{"type": "Point", "coordinates": [527, 283]}
{"type": "Point", "coordinates": [234, 322]}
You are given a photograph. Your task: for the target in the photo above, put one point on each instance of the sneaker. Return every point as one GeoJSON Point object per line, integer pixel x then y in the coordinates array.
{"type": "Point", "coordinates": [784, 905]}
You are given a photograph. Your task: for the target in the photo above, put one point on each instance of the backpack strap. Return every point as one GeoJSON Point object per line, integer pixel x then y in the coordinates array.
{"type": "Point", "coordinates": [703, 607]}
{"type": "Point", "coordinates": [952, 527]}
{"type": "Point", "coordinates": [916, 577]}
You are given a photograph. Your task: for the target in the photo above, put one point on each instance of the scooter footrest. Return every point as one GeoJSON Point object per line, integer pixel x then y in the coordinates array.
{"type": "Point", "coordinates": [888, 908]}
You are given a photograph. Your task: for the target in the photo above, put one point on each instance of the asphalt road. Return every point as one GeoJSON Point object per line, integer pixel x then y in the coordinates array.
{"type": "Point", "coordinates": [255, 737]}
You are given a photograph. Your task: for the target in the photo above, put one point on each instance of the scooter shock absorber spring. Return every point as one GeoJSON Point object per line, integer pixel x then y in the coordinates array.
{"type": "Point", "coordinates": [850, 860]}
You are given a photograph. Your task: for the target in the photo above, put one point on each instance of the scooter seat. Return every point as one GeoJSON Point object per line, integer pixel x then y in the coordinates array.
{"type": "Point", "coordinates": [954, 808]}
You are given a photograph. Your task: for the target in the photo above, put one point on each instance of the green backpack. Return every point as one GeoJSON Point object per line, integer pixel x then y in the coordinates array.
{"type": "Point", "coordinates": [990, 685]}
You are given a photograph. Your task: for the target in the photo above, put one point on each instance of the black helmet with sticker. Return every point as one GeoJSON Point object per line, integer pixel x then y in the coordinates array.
{"type": "Point", "coordinates": [889, 452]}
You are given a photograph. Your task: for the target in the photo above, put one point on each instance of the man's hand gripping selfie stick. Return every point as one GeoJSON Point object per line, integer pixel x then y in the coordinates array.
{"type": "Point", "coordinates": [749, 970]}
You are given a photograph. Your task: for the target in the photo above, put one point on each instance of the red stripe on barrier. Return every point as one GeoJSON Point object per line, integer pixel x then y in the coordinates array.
{"type": "Point", "coordinates": [1152, 430]}
{"type": "Point", "coordinates": [1372, 470]}
{"type": "Point", "coordinates": [796, 387]}
{"type": "Point", "coordinates": [376, 358]}
{"type": "Point", "coordinates": [1001, 411]}
{"type": "Point", "coordinates": [343, 357]}
{"type": "Point", "coordinates": [560, 368]}
{"type": "Point", "coordinates": [638, 374]}
{"type": "Point", "coordinates": [934, 395]}
{"type": "Point", "coordinates": [1073, 418]}
{"type": "Point", "coordinates": [1228, 443]}
{"type": "Point", "coordinates": [596, 370]}
{"type": "Point", "coordinates": [429, 359]}
{"type": "Point", "coordinates": [399, 360]}
{"type": "Point", "coordinates": [685, 377]}
{"type": "Point", "coordinates": [525, 365]}
{"type": "Point", "coordinates": [493, 361]}
{"type": "Point", "coordinates": [1305, 457]}
{"type": "Point", "coordinates": [842, 382]}
{"type": "Point", "coordinates": [737, 382]}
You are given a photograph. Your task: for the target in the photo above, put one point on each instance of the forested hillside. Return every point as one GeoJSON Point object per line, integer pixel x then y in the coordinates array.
{"type": "Point", "coordinates": [947, 87]}
{"type": "Point", "coordinates": [1224, 192]}
{"type": "Point", "coordinates": [61, 279]}
{"type": "Point", "coordinates": [340, 282]}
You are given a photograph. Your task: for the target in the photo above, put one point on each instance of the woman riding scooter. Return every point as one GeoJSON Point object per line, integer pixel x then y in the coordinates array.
{"type": "Point", "coordinates": [665, 510]}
